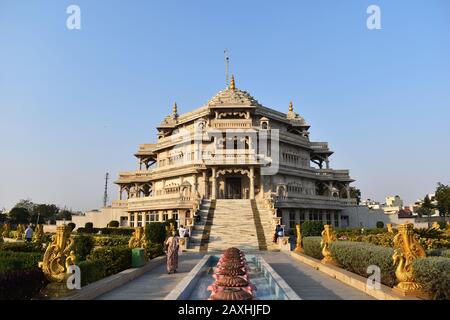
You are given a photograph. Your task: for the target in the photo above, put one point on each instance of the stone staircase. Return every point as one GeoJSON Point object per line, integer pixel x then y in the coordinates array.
{"type": "Point", "coordinates": [199, 228]}
{"type": "Point", "coordinates": [232, 223]}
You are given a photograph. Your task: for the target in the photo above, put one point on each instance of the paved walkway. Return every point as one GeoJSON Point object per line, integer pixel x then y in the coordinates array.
{"type": "Point", "coordinates": [156, 284]}
{"type": "Point", "coordinates": [307, 282]}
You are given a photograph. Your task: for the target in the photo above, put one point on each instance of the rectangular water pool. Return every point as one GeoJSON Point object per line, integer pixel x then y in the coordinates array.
{"type": "Point", "coordinates": [269, 285]}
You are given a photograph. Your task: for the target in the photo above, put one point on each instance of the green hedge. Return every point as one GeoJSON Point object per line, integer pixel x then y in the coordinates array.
{"type": "Point", "coordinates": [311, 246]}
{"type": "Point", "coordinates": [312, 228]}
{"type": "Point", "coordinates": [434, 274]}
{"type": "Point", "coordinates": [110, 241]}
{"type": "Point", "coordinates": [92, 271]}
{"type": "Point", "coordinates": [107, 231]}
{"type": "Point", "coordinates": [83, 245]}
{"type": "Point", "coordinates": [113, 224]}
{"type": "Point", "coordinates": [155, 232]}
{"type": "Point", "coordinates": [21, 284]}
{"type": "Point", "coordinates": [21, 247]}
{"type": "Point", "coordinates": [116, 259]}
{"type": "Point", "coordinates": [117, 231]}
{"type": "Point", "coordinates": [154, 250]}
{"type": "Point", "coordinates": [357, 256]}
{"type": "Point", "coordinates": [11, 261]}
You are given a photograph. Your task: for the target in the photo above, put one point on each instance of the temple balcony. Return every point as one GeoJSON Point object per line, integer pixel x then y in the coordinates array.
{"type": "Point", "coordinates": [331, 174]}
{"type": "Point", "coordinates": [231, 123]}
{"type": "Point", "coordinates": [134, 176]}
{"type": "Point", "coordinates": [174, 201]}
{"type": "Point", "coordinates": [304, 200]}
{"type": "Point", "coordinates": [236, 157]}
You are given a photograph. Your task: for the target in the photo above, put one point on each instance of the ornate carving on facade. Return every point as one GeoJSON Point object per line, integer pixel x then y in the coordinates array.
{"type": "Point", "coordinates": [328, 237]}
{"type": "Point", "coordinates": [138, 239]}
{"type": "Point", "coordinates": [234, 170]}
{"type": "Point", "coordinates": [406, 249]}
{"type": "Point", "coordinates": [38, 233]}
{"type": "Point", "coordinates": [59, 255]}
{"type": "Point", "coordinates": [299, 246]}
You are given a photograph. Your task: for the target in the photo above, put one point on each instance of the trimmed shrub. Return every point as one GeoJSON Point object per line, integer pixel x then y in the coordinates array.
{"type": "Point", "coordinates": [434, 274]}
{"type": "Point", "coordinates": [311, 246]}
{"type": "Point", "coordinates": [13, 261]}
{"type": "Point", "coordinates": [156, 232]}
{"type": "Point", "coordinates": [113, 224]}
{"type": "Point", "coordinates": [88, 231]}
{"type": "Point", "coordinates": [72, 226]}
{"type": "Point", "coordinates": [445, 253]}
{"type": "Point", "coordinates": [89, 225]}
{"type": "Point", "coordinates": [21, 284]}
{"type": "Point", "coordinates": [154, 250]}
{"type": "Point", "coordinates": [349, 232]}
{"type": "Point", "coordinates": [117, 231]}
{"type": "Point", "coordinates": [91, 271]}
{"type": "Point", "coordinates": [110, 241]}
{"type": "Point", "coordinates": [357, 256]}
{"type": "Point", "coordinates": [380, 224]}
{"type": "Point", "coordinates": [83, 245]}
{"type": "Point", "coordinates": [380, 239]}
{"type": "Point", "coordinates": [21, 247]}
{"type": "Point", "coordinates": [115, 259]}
{"type": "Point", "coordinates": [312, 228]}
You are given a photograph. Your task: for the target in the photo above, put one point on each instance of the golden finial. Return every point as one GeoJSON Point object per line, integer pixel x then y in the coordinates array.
{"type": "Point", "coordinates": [175, 109]}
{"type": "Point", "coordinates": [291, 106]}
{"type": "Point", "coordinates": [232, 85]}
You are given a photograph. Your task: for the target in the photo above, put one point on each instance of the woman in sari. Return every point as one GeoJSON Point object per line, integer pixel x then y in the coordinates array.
{"type": "Point", "coordinates": [172, 246]}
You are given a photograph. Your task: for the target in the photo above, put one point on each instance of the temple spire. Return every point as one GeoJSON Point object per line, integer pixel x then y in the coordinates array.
{"type": "Point", "coordinates": [175, 110]}
{"type": "Point", "coordinates": [291, 107]}
{"type": "Point", "coordinates": [232, 84]}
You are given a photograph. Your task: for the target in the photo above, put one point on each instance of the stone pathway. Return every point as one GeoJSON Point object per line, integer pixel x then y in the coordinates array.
{"type": "Point", "coordinates": [156, 284]}
{"type": "Point", "coordinates": [308, 283]}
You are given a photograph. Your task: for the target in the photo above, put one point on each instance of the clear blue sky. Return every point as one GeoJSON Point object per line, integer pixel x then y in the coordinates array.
{"type": "Point", "coordinates": [76, 104]}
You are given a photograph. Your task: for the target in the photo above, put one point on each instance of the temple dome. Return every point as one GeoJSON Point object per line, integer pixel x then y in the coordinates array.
{"type": "Point", "coordinates": [232, 96]}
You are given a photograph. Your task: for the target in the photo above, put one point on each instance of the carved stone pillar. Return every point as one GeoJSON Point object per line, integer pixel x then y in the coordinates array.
{"type": "Point", "coordinates": [214, 184]}
{"type": "Point", "coordinates": [252, 183]}
{"type": "Point", "coordinates": [120, 192]}
{"type": "Point", "coordinates": [205, 184]}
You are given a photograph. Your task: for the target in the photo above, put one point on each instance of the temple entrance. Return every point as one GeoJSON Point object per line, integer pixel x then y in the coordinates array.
{"type": "Point", "coordinates": [233, 188]}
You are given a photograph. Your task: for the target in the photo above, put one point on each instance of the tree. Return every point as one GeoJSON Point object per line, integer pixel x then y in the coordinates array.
{"type": "Point", "coordinates": [27, 204]}
{"type": "Point", "coordinates": [19, 215]}
{"type": "Point", "coordinates": [355, 193]}
{"type": "Point", "coordinates": [426, 209]}
{"type": "Point", "coordinates": [64, 215]}
{"type": "Point", "coordinates": [45, 213]}
{"type": "Point", "coordinates": [442, 196]}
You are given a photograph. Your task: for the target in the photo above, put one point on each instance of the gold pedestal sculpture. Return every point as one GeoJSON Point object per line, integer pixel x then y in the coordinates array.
{"type": "Point", "coordinates": [138, 239]}
{"type": "Point", "coordinates": [328, 237]}
{"type": "Point", "coordinates": [38, 233]}
{"type": "Point", "coordinates": [57, 258]}
{"type": "Point", "coordinates": [407, 249]}
{"type": "Point", "coordinates": [389, 228]}
{"type": "Point", "coordinates": [436, 225]}
{"type": "Point", "coordinates": [299, 247]}
{"type": "Point", "coordinates": [20, 232]}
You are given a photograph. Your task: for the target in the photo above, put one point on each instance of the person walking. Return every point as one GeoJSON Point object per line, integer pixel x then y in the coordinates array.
{"type": "Point", "coordinates": [172, 247]}
{"type": "Point", "coordinates": [28, 234]}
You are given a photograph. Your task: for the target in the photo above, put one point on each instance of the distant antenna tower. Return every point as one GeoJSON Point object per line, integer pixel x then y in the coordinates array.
{"type": "Point", "coordinates": [227, 62]}
{"type": "Point", "coordinates": [105, 195]}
